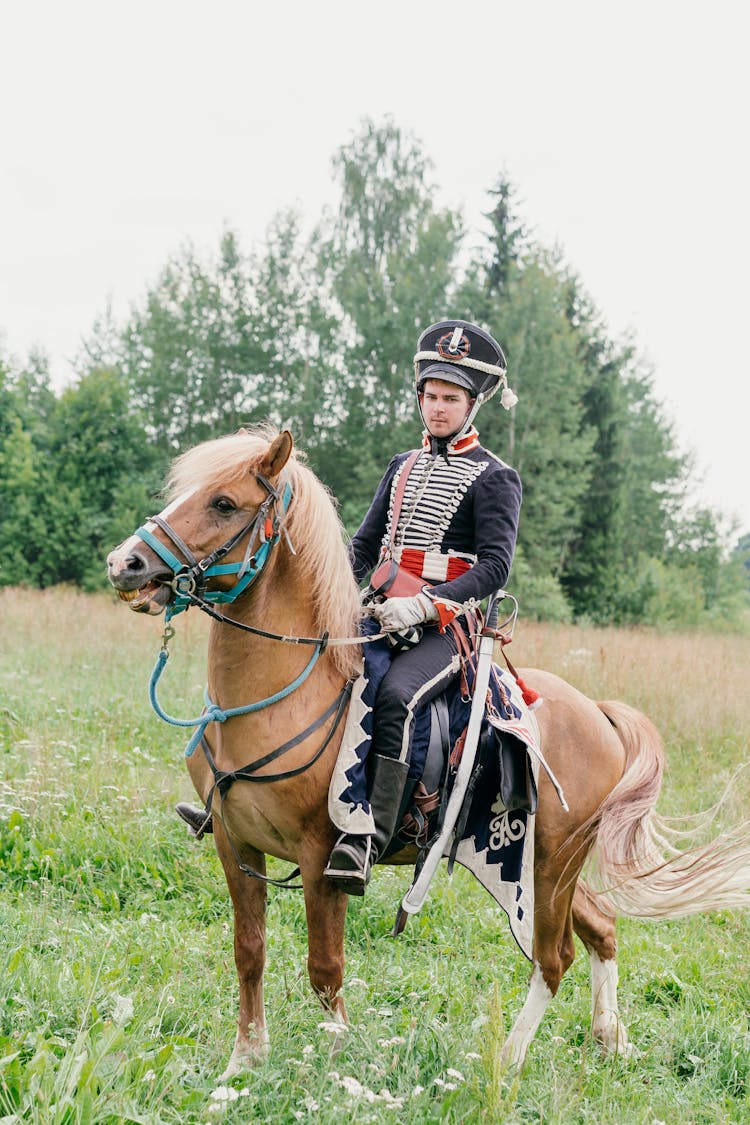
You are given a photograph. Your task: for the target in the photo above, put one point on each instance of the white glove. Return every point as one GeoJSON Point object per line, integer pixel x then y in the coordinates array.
{"type": "Point", "coordinates": [397, 614]}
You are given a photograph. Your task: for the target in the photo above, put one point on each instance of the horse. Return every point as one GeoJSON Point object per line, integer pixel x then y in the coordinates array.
{"type": "Point", "coordinates": [258, 534]}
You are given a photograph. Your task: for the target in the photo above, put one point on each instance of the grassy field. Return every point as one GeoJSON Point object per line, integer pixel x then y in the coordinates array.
{"type": "Point", "coordinates": [118, 995]}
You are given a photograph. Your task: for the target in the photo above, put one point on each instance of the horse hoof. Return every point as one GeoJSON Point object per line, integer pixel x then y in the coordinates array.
{"type": "Point", "coordinates": [246, 1056]}
{"type": "Point", "coordinates": [612, 1038]}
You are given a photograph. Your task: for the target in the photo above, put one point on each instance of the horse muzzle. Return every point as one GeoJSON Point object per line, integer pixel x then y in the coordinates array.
{"type": "Point", "coordinates": [142, 584]}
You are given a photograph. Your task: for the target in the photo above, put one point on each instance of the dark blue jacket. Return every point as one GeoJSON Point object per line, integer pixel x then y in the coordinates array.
{"type": "Point", "coordinates": [470, 506]}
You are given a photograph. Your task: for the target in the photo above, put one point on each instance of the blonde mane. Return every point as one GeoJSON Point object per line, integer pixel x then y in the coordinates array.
{"type": "Point", "coordinates": [312, 522]}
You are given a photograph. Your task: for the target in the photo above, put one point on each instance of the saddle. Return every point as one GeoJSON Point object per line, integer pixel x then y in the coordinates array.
{"type": "Point", "coordinates": [502, 768]}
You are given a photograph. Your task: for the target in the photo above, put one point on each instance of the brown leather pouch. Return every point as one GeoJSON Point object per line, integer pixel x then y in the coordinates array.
{"type": "Point", "coordinates": [389, 580]}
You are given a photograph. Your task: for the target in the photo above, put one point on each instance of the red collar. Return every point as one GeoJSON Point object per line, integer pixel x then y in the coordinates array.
{"type": "Point", "coordinates": [457, 445]}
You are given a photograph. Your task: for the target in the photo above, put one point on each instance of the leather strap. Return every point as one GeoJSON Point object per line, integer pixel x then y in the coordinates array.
{"type": "Point", "coordinates": [398, 498]}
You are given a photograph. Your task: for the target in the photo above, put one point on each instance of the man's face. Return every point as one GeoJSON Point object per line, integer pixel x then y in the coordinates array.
{"type": "Point", "coordinates": [444, 407]}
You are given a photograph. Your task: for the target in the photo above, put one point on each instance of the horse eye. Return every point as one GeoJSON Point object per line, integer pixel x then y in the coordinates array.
{"type": "Point", "coordinates": [224, 505]}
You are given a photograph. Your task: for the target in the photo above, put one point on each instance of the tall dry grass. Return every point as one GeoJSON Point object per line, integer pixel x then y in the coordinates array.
{"type": "Point", "coordinates": [694, 687]}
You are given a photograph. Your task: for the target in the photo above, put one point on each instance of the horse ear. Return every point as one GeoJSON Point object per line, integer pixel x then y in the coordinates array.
{"type": "Point", "coordinates": [279, 452]}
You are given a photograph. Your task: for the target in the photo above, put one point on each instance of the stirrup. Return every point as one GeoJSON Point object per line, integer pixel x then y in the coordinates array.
{"type": "Point", "coordinates": [350, 864]}
{"type": "Point", "coordinates": [198, 820]}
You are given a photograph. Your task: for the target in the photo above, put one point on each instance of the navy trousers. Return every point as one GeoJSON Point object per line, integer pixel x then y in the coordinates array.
{"type": "Point", "coordinates": [414, 678]}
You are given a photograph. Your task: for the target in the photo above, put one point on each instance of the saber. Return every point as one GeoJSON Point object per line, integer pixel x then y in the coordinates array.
{"type": "Point", "coordinates": [417, 893]}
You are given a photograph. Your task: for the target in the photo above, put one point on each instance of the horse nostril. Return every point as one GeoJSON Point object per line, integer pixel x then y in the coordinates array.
{"type": "Point", "coordinates": [133, 562]}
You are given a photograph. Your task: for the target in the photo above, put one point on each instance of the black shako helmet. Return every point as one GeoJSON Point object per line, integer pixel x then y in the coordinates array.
{"type": "Point", "coordinates": [456, 351]}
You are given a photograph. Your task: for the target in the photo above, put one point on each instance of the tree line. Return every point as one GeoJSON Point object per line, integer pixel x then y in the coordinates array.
{"type": "Point", "coordinates": [316, 330]}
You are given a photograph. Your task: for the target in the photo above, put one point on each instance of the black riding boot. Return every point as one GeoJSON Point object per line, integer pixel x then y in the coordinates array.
{"type": "Point", "coordinates": [199, 821]}
{"type": "Point", "coordinates": [351, 861]}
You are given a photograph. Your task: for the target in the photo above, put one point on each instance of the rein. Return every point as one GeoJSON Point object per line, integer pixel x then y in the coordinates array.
{"type": "Point", "coordinates": [212, 713]}
{"type": "Point", "coordinates": [224, 779]}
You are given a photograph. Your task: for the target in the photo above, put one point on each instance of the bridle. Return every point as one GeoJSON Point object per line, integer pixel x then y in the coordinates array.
{"type": "Point", "coordinates": [191, 576]}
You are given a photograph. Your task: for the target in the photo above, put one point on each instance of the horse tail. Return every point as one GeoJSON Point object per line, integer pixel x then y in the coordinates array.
{"type": "Point", "coordinates": [650, 866]}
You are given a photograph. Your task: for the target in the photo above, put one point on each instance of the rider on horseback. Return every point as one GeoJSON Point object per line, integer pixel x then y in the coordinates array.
{"type": "Point", "coordinates": [456, 521]}
{"type": "Point", "coordinates": [457, 517]}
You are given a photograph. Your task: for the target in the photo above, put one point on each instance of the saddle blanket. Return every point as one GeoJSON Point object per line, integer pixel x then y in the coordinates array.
{"type": "Point", "coordinates": [497, 842]}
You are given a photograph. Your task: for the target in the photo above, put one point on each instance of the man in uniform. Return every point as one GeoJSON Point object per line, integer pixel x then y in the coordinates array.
{"type": "Point", "coordinates": [457, 519]}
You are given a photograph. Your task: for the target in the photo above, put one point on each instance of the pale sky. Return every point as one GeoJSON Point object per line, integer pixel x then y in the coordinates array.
{"type": "Point", "coordinates": [126, 129]}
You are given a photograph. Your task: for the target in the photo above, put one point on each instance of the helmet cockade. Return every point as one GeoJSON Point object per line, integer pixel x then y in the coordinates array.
{"type": "Point", "coordinates": [454, 345]}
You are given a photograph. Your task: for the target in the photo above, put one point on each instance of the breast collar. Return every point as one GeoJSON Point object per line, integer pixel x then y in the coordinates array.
{"type": "Point", "coordinates": [445, 447]}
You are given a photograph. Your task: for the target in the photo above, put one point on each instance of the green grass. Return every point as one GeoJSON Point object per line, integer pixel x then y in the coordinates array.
{"type": "Point", "coordinates": [118, 998]}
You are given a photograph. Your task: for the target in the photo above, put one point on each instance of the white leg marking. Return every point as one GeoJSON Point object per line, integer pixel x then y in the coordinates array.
{"type": "Point", "coordinates": [605, 1015]}
{"type": "Point", "coordinates": [525, 1027]}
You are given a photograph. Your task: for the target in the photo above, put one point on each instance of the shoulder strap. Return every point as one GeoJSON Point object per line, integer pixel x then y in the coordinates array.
{"type": "Point", "coordinates": [398, 498]}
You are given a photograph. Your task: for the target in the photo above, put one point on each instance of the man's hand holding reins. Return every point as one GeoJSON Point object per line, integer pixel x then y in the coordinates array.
{"type": "Point", "coordinates": [397, 614]}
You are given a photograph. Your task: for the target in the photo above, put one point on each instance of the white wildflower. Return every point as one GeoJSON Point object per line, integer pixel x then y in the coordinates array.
{"type": "Point", "coordinates": [355, 1088]}
{"type": "Point", "coordinates": [149, 1076]}
{"type": "Point", "coordinates": [455, 1074]}
{"type": "Point", "coordinates": [396, 1041]}
{"type": "Point", "coordinates": [333, 1027]}
{"type": "Point", "coordinates": [389, 1099]}
{"type": "Point", "coordinates": [308, 1049]}
{"type": "Point", "coordinates": [444, 1085]}
{"type": "Point", "coordinates": [417, 1091]}
{"type": "Point", "coordinates": [225, 1094]}
{"type": "Point", "coordinates": [472, 1055]}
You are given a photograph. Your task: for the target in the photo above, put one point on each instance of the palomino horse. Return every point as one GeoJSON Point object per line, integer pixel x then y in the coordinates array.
{"type": "Point", "coordinates": [257, 534]}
